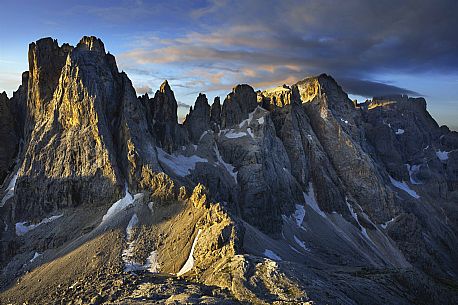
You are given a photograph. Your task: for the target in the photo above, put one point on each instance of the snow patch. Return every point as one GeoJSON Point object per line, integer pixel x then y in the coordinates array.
{"type": "Point", "coordinates": [299, 214]}
{"type": "Point", "coordinates": [179, 164]}
{"type": "Point", "coordinates": [250, 132]}
{"type": "Point", "coordinates": [310, 199]}
{"type": "Point", "coordinates": [10, 189]}
{"type": "Point", "coordinates": [35, 256]}
{"type": "Point", "coordinates": [272, 255]}
{"type": "Point", "coordinates": [152, 262]}
{"type": "Point", "coordinates": [385, 225]}
{"type": "Point", "coordinates": [442, 155]}
{"type": "Point", "coordinates": [229, 168]}
{"type": "Point", "coordinates": [345, 121]}
{"type": "Point", "coordinates": [130, 226]}
{"type": "Point", "coordinates": [403, 186]}
{"type": "Point", "coordinates": [301, 244]}
{"type": "Point", "coordinates": [118, 206]}
{"type": "Point", "coordinates": [23, 228]}
{"type": "Point", "coordinates": [413, 170]}
{"type": "Point", "coordinates": [129, 264]}
{"type": "Point", "coordinates": [232, 134]}
{"type": "Point", "coordinates": [190, 261]}
{"type": "Point", "coordinates": [400, 131]}
{"type": "Point", "coordinates": [261, 120]}
{"type": "Point", "coordinates": [248, 121]}
{"type": "Point", "coordinates": [355, 217]}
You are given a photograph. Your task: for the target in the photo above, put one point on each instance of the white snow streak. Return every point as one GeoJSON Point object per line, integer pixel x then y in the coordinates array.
{"type": "Point", "coordinates": [22, 227]}
{"type": "Point", "coordinates": [399, 131]}
{"type": "Point", "coordinates": [403, 186]}
{"type": "Point", "coordinates": [190, 261]}
{"type": "Point", "coordinates": [118, 206]}
{"type": "Point", "coordinates": [35, 256]}
{"type": "Point", "coordinates": [413, 170]}
{"type": "Point", "coordinates": [179, 164]}
{"type": "Point", "coordinates": [250, 132]}
{"type": "Point", "coordinates": [10, 189]}
{"type": "Point", "coordinates": [310, 199]}
{"type": "Point", "coordinates": [130, 226]}
{"type": "Point", "coordinates": [272, 255]}
{"type": "Point", "coordinates": [301, 244]}
{"type": "Point", "coordinates": [355, 217]}
{"type": "Point", "coordinates": [152, 262]}
{"type": "Point", "coordinates": [250, 118]}
{"type": "Point", "coordinates": [229, 168]}
{"type": "Point", "coordinates": [129, 264]}
{"type": "Point", "coordinates": [384, 225]}
{"type": "Point", "coordinates": [232, 134]}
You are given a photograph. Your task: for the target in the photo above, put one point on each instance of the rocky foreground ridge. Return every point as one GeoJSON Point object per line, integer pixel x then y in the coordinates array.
{"type": "Point", "coordinates": [293, 195]}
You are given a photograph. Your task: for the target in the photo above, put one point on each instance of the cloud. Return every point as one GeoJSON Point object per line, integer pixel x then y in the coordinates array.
{"type": "Point", "coordinates": [143, 89]}
{"type": "Point", "coordinates": [183, 105]}
{"type": "Point", "coordinates": [266, 43]}
{"type": "Point", "coordinates": [371, 88]}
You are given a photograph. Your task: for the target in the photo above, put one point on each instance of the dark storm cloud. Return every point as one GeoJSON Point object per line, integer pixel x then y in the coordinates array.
{"type": "Point", "coordinates": [371, 88]}
{"type": "Point", "coordinates": [264, 42]}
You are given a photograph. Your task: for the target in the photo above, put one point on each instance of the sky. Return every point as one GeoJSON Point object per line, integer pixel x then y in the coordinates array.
{"type": "Point", "coordinates": [371, 48]}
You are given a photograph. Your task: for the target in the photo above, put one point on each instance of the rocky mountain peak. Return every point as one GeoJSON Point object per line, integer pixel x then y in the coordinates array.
{"type": "Point", "coordinates": [238, 104]}
{"type": "Point", "coordinates": [318, 85]}
{"type": "Point", "coordinates": [198, 119]}
{"type": "Point", "coordinates": [165, 104]}
{"type": "Point", "coordinates": [165, 88]}
{"type": "Point", "coordinates": [201, 102]}
{"type": "Point", "coordinates": [276, 97]}
{"type": "Point", "coordinates": [91, 43]}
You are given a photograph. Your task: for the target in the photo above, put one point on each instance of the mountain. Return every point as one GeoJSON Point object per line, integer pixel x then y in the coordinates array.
{"type": "Point", "coordinates": [292, 195]}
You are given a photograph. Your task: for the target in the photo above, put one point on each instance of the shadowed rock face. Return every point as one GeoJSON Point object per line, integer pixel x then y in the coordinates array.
{"type": "Point", "coordinates": [291, 195]}
{"type": "Point", "coordinates": [237, 105]}
{"type": "Point", "coordinates": [198, 119]}
{"type": "Point", "coordinates": [337, 124]}
{"type": "Point", "coordinates": [215, 113]}
{"type": "Point", "coordinates": [8, 137]}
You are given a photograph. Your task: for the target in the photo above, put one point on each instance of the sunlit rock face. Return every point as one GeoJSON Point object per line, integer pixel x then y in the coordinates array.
{"type": "Point", "coordinates": [291, 195]}
{"type": "Point", "coordinates": [275, 97]}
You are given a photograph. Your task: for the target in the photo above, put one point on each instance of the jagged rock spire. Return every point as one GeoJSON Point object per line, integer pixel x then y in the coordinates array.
{"type": "Point", "coordinates": [215, 113]}
{"type": "Point", "coordinates": [237, 105]}
{"type": "Point", "coordinates": [91, 43]}
{"type": "Point", "coordinates": [198, 119]}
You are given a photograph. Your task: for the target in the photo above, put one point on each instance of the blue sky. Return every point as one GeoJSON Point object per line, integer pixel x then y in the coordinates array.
{"type": "Point", "coordinates": [371, 48]}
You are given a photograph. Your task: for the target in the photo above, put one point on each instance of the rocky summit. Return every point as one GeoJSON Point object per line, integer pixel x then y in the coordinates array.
{"type": "Point", "coordinates": [292, 195]}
